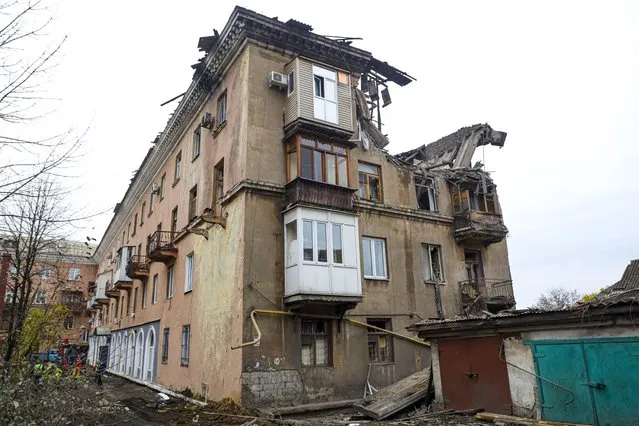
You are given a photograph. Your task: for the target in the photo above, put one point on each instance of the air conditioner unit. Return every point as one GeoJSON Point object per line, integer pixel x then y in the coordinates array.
{"type": "Point", "coordinates": [208, 122]}
{"type": "Point", "coordinates": [278, 80]}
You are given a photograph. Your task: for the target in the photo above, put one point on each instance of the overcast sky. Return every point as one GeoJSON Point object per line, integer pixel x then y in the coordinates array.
{"type": "Point", "coordinates": [562, 78]}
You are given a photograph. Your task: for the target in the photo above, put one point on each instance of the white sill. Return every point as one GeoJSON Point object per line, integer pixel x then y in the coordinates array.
{"type": "Point", "coordinates": [366, 277]}
{"type": "Point", "coordinates": [435, 282]}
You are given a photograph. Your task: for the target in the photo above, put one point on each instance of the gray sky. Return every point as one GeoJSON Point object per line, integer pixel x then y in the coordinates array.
{"type": "Point", "coordinates": [562, 78]}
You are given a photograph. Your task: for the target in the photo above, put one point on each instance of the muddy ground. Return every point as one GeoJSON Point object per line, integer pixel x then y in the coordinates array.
{"type": "Point", "coordinates": [135, 405]}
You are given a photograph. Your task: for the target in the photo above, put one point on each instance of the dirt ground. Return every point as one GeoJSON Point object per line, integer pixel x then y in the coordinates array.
{"type": "Point", "coordinates": [137, 407]}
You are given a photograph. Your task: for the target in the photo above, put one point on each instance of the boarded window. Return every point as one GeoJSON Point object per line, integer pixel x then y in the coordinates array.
{"type": "Point", "coordinates": [316, 343]}
{"type": "Point", "coordinates": [380, 344]}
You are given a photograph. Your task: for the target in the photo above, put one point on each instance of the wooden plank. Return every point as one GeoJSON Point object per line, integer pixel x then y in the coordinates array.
{"type": "Point", "coordinates": [520, 420]}
{"type": "Point", "coordinates": [307, 408]}
{"type": "Point", "coordinates": [395, 397]}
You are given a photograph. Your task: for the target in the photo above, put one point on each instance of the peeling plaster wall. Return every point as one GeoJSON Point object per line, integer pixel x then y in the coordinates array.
{"type": "Point", "coordinates": [523, 384]}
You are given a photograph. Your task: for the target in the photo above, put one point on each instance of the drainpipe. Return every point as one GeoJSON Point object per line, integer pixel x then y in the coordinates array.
{"type": "Point", "coordinates": [352, 321]}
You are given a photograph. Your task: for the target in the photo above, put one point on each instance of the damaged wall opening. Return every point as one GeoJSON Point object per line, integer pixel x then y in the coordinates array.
{"type": "Point", "coordinates": [432, 261]}
{"type": "Point", "coordinates": [473, 199]}
{"type": "Point", "coordinates": [426, 193]}
{"type": "Point", "coordinates": [380, 344]}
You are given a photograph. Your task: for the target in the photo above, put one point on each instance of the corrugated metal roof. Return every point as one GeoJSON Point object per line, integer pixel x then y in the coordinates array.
{"type": "Point", "coordinates": [519, 313]}
{"type": "Point", "coordinates": [625, 290]}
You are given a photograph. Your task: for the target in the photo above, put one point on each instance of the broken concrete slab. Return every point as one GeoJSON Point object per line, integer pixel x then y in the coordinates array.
{"type": "Point", "coordinates": [396, 397]}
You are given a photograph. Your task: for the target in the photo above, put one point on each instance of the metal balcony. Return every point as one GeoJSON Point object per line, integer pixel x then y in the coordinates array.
{"type": "Point", "coordinates": [481, 227]}
{"type": "Point", "coordinates": [138, 267]}
{"type": "Point", "coordinates": [486, 294]}
{"type": "Point", "coordinates": [161, 248]}
{"type": "Point", "coordinates": [302, 191]}
{"type": "Point", "coordinates": [112, 291]}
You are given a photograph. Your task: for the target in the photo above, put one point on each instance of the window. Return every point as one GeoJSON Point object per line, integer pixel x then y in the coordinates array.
{"type": "Point", "coordinates": [432, 261]}
{"type": "Point", "coordinates": [320, 161]}
{"type": "Point", "coordinates": [374, 253]}
{"type": "Point", "coordinates": [174, 218]}
{"type": "Point", "coordinates": [380, 344]}
{"type": "Point", "coordinates": [142, 213]}
{"type": "Point", "coordinates": [291, 243]}
{"type": "Point", "coordinates": [162, 186]}
{"type": "Point", "coordinates": [154, 295]}
{"type": "Point", "coordinates": [325, 94]}
{"type": "Point", "coordinates": [117, 308]}
{"type": "Point", "coordinates": [165, 346]}
{"type": "Point", "coordinates": [338, 256]}
{"type": "Point", "coordinates": [192, 203]}
{"type": "Point", "coordinates": [122, 307]}
{"type": "Point", "coordinates": [135, 224]}
{"type": "Point", "coordinates": [195, 151]}
{"type": "Point", "coordinates": [169, 282]}
{"type": "Point", "coordinates": [128, 302]}
{"type": "Point", "coordinates": [186, 344]}
{"type": "Point", "coordinates": [8, 298]}
{"type": "Point", "coordinates": [128, 232]}
{"type": "Point", "coordinates": [218, 191]}
{"type": "Point", "coordinates": [316, 343]}
{"type": "Point", "coordinates": [471, 199]}
{"type": "Point", "coordinates": [152, 202]}
{"type": "Point", "coordinates": [370, 185]}
{"type": "Point", "coordinates": [74, 274]}
{"type": "Point", "coordinates": [221, 109]}
{"type": "Point", "coordinates": [144, 287]}
{"type": "Point", "coordinates": [188, 276]}
{"type": "Point", "coordinates": [45, 273]}
{"type": "Point", "coordinates": [135, 299]}
{"type": "Point", "coordinates": [291, 83]}
{"type": "Point", "coordinates": [178, 167]}
{"type": "Point", "coordinates": [40, 297]}
{"type": "Point", "coordinates": [426, 193]}
{"type": "Point", "coordinates": [316, 243]}
{"type": "Point", "coordinates": [69, 322]}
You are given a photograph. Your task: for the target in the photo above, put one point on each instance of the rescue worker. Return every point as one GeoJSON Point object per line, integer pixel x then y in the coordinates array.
{"type": "Point", "coordinates": [99, 372]}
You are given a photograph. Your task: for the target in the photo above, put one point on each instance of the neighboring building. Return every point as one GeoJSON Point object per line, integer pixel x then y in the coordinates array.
{"type": "Point", "coordinates": [577, 365]}
{"type": "Point", "coordinates": [63, 273]}
{"type": "Point", "coordinates": [269, 199]}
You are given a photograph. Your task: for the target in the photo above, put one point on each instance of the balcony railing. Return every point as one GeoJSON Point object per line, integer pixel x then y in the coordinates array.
{"type": "Point", "coordinates": [74, 306]}
{"type": "Point", "coordinates": [160, 247]}
{"type": "Point", "coordinates": [482, 227]}
{"type": "Point", "coordinates": [487, 294]}
{"type": "Point", "coordinates": [305, 191]}
{"type": "Point", "coordinates": [138, 267]}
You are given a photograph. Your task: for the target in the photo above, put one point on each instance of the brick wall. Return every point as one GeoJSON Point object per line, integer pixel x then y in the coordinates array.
{"type": "Point", "coordinates": [265, 387]}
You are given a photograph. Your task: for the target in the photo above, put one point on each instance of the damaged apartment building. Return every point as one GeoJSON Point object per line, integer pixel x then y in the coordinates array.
{"type": "Point", "coordinates": [271, 250]}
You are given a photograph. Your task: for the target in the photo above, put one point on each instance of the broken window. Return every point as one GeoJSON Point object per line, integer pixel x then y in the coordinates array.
{"type": "Point", "coordinates": [426, 193]}
{"type": "Point", "coordinates": [432, 261]}
{"type": "Point", "coordinates": [221, 109]}
{"type": "Point", "coordinates": [370, 183]}
{"type": "Point", "coordinates": [316, 343]}
{"type": "Point", "coordinates": [474, 199]}
{"type": "Point", "coordinates": [380, 344]}
{"type": "Point", "coordinates": [319, 161]}
{"type": "Point", "coordinates": [192, 203]}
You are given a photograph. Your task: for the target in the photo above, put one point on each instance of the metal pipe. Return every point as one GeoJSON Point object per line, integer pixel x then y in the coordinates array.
{"type": "Point", "coordinates": [285, 313]}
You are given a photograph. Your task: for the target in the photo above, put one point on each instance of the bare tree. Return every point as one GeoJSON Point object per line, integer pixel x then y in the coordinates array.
{"type": "Point", "coordinates": [557, 298]}
{"type": "Point", "coordinates": [32, 227]}
{"type": "Point", "coordinates": [27, 55]}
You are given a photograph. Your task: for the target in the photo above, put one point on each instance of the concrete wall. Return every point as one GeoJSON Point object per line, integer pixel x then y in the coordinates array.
{"type": "Point", "coordinates": [521, 377]}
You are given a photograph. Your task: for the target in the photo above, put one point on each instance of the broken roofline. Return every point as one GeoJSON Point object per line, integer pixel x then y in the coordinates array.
{"type": "Point", "coordinates": [581, 317]}
{"type": "Point", "coordinates": [451, 150]}
{"type": "Point", "coordinates": [243, 25]}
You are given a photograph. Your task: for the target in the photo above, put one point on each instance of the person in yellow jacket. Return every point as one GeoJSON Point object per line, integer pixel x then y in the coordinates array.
{"type": "Point", "coordinates": [38, 371]}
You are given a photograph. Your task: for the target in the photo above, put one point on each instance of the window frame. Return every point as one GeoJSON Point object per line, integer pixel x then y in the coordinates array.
{"type": "Point", "coordinates": [189, 269]}
{"type": "Point", "coordinates": [374, 335]}
{"type": "Point", "coordinates": [142, 213]}
{"type": "Point", "coordinates": [312, 338]}
{"type": "Point", "coordinates": [144, 293]}
{"type": "Point", "coordinates": [321, 77]}
{"type": "Point", "coordinates": [135, 224]}
{"type": "Point", "coordinates": [222, 108]}
{"type": "Point", "coordinates": [74, 277]}
{"type": "Point", "coordinates": [374, 260]}
{"type": "Point", "coordinates": [185, 346]}
{"type": "Point", "coordinates": [297, 143]}
{"type": "Point", "coordinates": [165, 344]}
{"type": "Point", "coordinates": [290, 80]}
{"type": "Point", "coordinates": [177, 168]}
{"type": "Point", "coordinates": [218, 182]}
{"type": "Point", "coordinates": [429, 263]}
{"type": "Point", "coordinates": [170, 281]}
{"type": "Point", "coordinates": [154, 291]}
{"type": "Point", "coordinates": [193, 202]}
{"type": "Point", "coordinates": [174, 221]}
{"type": "Point", "coordinates": [196, 144]}
{"type": "Point", "coordinates": [135, 299]}
{"type": "Point", "coordinates": [40, 297]}
{"type": "Point", "coordinates": [367, 187]}
{"type": "Point", "coordinates": [162, 186]}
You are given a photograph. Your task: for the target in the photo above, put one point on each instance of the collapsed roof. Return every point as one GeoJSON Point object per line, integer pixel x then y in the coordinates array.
{"type": "Point", "coordinates": [624, 290]}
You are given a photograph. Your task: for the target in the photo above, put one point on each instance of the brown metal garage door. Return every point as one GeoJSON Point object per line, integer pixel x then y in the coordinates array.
{"type": "Point", "coordinates": [473, 376]}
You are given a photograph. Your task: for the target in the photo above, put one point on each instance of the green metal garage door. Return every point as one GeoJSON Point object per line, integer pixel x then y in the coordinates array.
{"type": "Point", "coordinates": [588, 381]}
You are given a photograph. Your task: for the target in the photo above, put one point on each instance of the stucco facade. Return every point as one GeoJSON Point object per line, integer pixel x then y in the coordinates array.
{"type": "Point", "coordinates": [227, 249]}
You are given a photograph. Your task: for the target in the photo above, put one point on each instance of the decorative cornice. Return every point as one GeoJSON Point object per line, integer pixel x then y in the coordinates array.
{"type": "Point", "coordinates": [402, 212]}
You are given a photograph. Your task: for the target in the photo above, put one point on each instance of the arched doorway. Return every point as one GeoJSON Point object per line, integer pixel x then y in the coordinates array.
{"type": "Point", "coordinates": [149, 355]}
{"type": "Point", "coordinates": [130, 354]}
{"type": "Point", "coordinates": [139, 355]}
